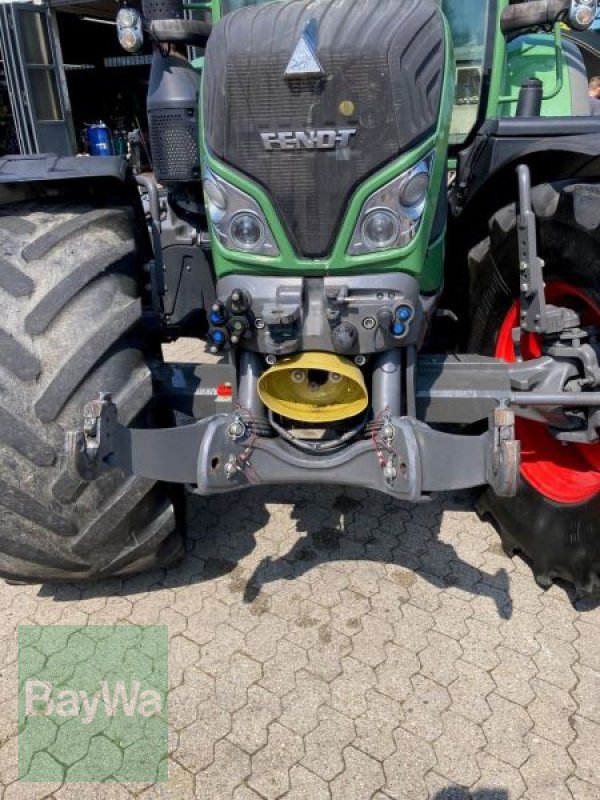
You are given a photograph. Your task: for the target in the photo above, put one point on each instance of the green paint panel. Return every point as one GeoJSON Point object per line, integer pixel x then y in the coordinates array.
{"type": "Point", "coordinates": [537, 56]}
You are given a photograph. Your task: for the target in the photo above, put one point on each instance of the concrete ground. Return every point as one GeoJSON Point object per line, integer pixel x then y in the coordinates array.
{"type": "Point", "coordinates": [336, 644]}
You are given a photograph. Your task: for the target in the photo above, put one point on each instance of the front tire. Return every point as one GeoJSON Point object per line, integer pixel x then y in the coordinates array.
{"type": "Point", "coordinates": [554, 520]}
{"type": "Point", "coordinates": [72, 326]}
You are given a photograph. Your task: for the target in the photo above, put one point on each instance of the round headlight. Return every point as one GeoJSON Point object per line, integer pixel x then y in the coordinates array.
{"type": "Point", "coordinates": [584, 17]}
{"type": "Point", "coordinates": [380, 229]}
{"type": "Point", "coordinates": [127, 18]}
{"type": "Point", "coordinates": [414, 191]}
{"type": "Point", "coordinates": [130, 39]}
{"type": "Point", "coordinates": [246, 231]}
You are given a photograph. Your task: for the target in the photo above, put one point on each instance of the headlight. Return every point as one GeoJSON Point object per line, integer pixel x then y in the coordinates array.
{"type": "Point", "coordinates": [582, 14]}
{"type": "Point", "coordinates": [237, 219]}
{"type": "Point", "coordinates": [380, 229]}
{"type": "Point", "coordinates": [129, 29]}
{"type": "Point", "coordinates": [391, 216]}
{"type": "Point", "coordinates": [127, 17]}
{"type": "Point", "coordinates": [247, 231]}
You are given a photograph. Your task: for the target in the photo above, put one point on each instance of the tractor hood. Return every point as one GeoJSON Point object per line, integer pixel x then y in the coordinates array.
{"type": "Point", "coordinates": [310, 97]}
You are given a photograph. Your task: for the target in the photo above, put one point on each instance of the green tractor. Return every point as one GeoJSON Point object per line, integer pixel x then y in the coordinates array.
{"type": "Point", "coordinates": [382, 217]}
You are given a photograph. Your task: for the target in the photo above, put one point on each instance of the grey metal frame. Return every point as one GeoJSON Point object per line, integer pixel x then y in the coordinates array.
{"type": "Point", "coordinates": [406, 459]}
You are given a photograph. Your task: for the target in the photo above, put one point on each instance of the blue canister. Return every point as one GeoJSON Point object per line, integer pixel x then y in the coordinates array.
{"type": "Point", "coordinates": [99, 140]}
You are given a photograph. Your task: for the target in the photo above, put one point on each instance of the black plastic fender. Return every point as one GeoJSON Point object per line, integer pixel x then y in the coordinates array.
{"type": "Point", "coordinates": [26, 177]}
{"type": "Point", "coordinates": [49, 167]}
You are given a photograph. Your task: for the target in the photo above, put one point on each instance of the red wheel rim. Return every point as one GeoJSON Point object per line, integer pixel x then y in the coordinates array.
{"type": "Point", "coordinates": [565, 473]}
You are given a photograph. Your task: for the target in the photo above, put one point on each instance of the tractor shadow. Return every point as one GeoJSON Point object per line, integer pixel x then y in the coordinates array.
{"type": "Point", "coordinates": [327, 525]}
{"type": "Point", "coordinates": [365, 526]}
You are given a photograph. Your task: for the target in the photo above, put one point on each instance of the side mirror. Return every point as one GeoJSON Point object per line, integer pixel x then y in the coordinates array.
{"type": "Point", "coordinates": [579, 14]}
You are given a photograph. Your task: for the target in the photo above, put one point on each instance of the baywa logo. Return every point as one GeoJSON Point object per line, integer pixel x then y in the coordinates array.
{"type": "Point", "coordinates": [93, 703]}
{"type": "Point", "coordinates": [39, 699]}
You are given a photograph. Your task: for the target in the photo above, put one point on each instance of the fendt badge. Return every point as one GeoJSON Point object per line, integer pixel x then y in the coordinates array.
{"type": "Point", "coordinates": [308, 140]}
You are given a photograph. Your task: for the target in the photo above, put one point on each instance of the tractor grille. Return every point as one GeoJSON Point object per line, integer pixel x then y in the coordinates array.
{"type": "Point", "coordinates": [383, 63]}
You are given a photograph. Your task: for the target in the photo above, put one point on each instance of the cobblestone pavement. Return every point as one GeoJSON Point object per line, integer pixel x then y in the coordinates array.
{"type": "Point", "coordinates": [337, 644]}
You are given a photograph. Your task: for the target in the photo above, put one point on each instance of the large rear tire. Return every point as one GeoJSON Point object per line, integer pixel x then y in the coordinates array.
{"type": "Point", "coordinates": [72, 326]}
{"type": "Point", "coordinates": [554, 520]}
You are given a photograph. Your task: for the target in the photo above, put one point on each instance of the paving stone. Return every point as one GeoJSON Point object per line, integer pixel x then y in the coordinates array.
{"type": "Point", "coordinates": [393, 676]}
{"type": "Point", "coordinates": [555, 660]}
{"type": "Point", "coordinates": [470, 690]}
{"type": "Point", "coordinates": [387, 604]}
{"type": "Point", "coordinates": [306, 785]}
{"type": "Point", "coordinates": [304, 629]}
{"type": "Point", "coordinates": [202, 624]}
{"type": "Point", "coordinates": [526, 594]}
{"type": "Point", "coordinates": [557, 619]}
{"type": "Point", "coordinates": [326, 655]}
{"type": "Point", "coordinates": [245, 793]}
{"type": "Point", "coordinates": [450, 618]}
{"type": "Point", "coordinates": [551, 713]}
{"type": "Point", "coordinates": [411, 630]}
{"type": "Point", "coordinates": [182, 654]}
{"type": "Point", "coordinates": [457, 747]}
{"type": "Point", "coordinates": [349, 689]}
{"type": "Point", "coordinates": [183, 710]}
{"type": "Point", "coordinates": [347, 615]}
{"type": "Point", "coordinates": [438, 661]}
{"type": "Point", "coordinates": [229, 768]}
{"type": "Point", "coordinates": [326, 586]}
{"type": "Point", "coordinates": [497, 776]}
{"type": "Point", "coordinates": [301, 705]}
{"type": "Point", "coordinates": [479, 645]}
{"type": "Point", "coordinates": [512, 676]}
{"type": "Point", "coordinates": [588, 645]}
{"type": "Point", "coordinates": [423, 708]}
{"type": "Point", "coordinates": [505, 731]}
{"type": "Point", "coordinates": [519, 632]}
{"type": "Point", "coordinates": [424, 594]}
{"type": "Point", "coordinates": [584, 750]}
{"type": "Point", "coordinates": [405, 769]}
{"type": "Point", "coordinates": [231, 688]}
{"type": "Point", "coordinates": [261, 642]}
{"type": "Point", "coordinates": [440, 788]}
{"type": "Point", "coordinates": [364, 579]}
{"type": "Point", "coordinates": [547, 770]}
{"type": "Point", "coordinates": [375, 726]}
{"type": "Point", "coordinates": [361, 777]}
{"type": "Point", "coordinates": [580, 790]}
{"type": "Point", "coordinates": [271, 766]}
{"type": "Point", "coordinates": [587, 692]}
{"type": "Point", "coordinates": [197, 741]}
{"type": "Point", "coordinates": [325, 744]}
{"type": "Point", "coordinates": [249, 725]}
{"type": "Point", "coordinates": [368, 645]}
{"type": "Point", "coordinates": [279, 672]}
{"type": "Point", "coordinates": [180, 784]}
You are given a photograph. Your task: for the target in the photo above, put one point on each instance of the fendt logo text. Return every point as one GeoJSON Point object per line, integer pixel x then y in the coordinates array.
{"type": "Point", "coordinates": [308, 140]}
